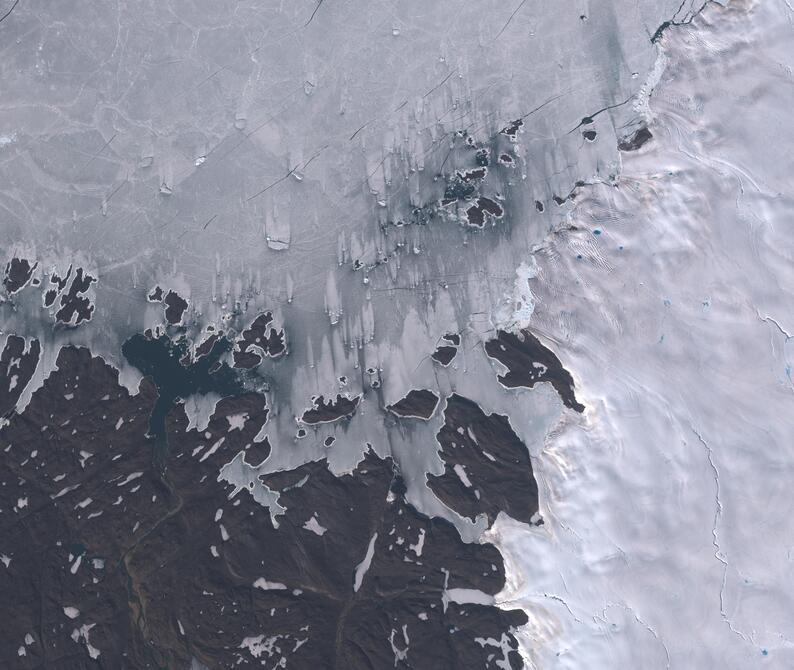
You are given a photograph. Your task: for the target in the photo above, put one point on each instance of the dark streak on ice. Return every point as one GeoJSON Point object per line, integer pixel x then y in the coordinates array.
{"type": "Point", "coordinates": [511, 130]}
{"type": "Point", "coordinates": [8, 13]}
{"type": "Point", "coordinates": [587, 120]}
{"type": "Point", "coordinates": [688, 18]}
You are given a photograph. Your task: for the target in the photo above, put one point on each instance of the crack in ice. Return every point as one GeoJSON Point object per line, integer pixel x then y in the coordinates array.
{"type": "Point", "coordinates": [769, 319]}
{"type": "Point", "coordinates": [718, 553]}
{"type": "Point", "coordinates": [640, 621]}
{"type": "Point", "coordinates": [550, 596]}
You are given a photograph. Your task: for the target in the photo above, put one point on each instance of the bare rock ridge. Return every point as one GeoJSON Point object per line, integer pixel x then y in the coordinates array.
{"type": "Point", "coordinates": [486, 466]}
{"type": "Point", "coordinates": [154, 570]}
{"type": "Point", "coordinates": [529, 362]}
{"type": "Point", "coordinates": [418, 403]}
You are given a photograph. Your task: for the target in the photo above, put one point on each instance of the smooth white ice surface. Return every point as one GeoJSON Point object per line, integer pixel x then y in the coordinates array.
{"type": "Point", "coordinates": [669, 536]}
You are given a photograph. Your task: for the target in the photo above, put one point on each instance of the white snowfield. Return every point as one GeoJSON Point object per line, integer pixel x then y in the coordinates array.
{"type": "Point", "coordinates": [669, 535]}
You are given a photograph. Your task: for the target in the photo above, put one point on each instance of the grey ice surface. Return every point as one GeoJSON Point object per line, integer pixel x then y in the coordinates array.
{"type": "Point", "coordinates": [151, 143]}
{"type": "Point", "coordinates": [251, 155]}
